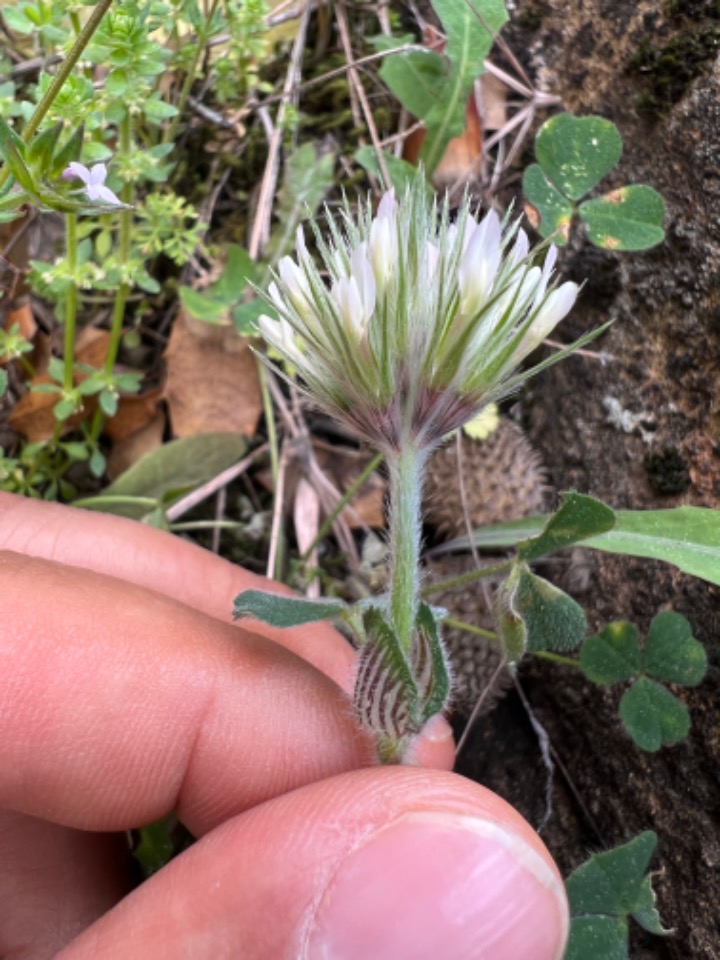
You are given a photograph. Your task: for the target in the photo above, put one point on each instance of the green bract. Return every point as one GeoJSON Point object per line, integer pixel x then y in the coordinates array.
{"type": "Point", "coordinates": [423, 322]}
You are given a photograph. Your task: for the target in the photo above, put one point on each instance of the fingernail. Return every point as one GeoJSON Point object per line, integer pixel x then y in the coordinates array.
{"type": "Point", "coordinates": [430, 886]}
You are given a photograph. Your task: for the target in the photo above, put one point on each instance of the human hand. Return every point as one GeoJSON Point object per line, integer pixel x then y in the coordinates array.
{"type": "Point", "coordinates": [126, 693]}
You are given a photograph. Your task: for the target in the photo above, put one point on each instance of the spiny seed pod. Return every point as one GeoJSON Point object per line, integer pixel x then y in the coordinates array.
{"type": "Point", "coordinates": [504, 479]}
{"type": "Point", "coordinates": [474, 660]}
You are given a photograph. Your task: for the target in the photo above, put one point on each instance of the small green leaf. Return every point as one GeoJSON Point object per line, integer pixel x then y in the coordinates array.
{"type": "Point", "coordinates": [429, 665]}
{"type": "Point", "coordinates": [671, 653]}
{"type": "Point", "coordinates": [282, 611]}
{"type": "Point", "coordinates": [603, 892]}
{"type": "Point", "coordinates": [201, 305]}
{"type": "Point", "coordinates": [157, 110]}
{"type": "Point", "coordinates": [416, 79]}
{"type": "Point", "coordinates": [536, 611]}
{"type": "Point", "coordinates": [578, 518]}
{"type": "Point", "coordinates": [71, 151]}
{"type": "Point", "coordinates": [116, 83]}
{"type": "Point", "coordinates": [13, 150]}
{"type": "Point", "coordinates": [630, 218]}
{"type": "Point", "coordinates": [245, 316]}
{"type": "Point", "coordinates": [552, 213]}
{"type": "Point", "coordinates": [612, 655]}
{"type": "Point", "coordinates": [653, 716]}
{"type": "Point", "coordinates": [471, 29]}
{"type": "Point", "coordinates": [645, 912]}
{"type": "Point", "coordinates": [577, 152]}
{"type": "Point", "coordinates": [402, 174]}
{"type": "Point", "coordinates": [172, 470]}
{"type": "Point", "coordinates": [3, 382]}
{"type": "Point", "coordinates": [40, 151]}
{"type": "Point", "coordinates": [611, 883]}
{"type": "Point", "coordinates": [597, 938]}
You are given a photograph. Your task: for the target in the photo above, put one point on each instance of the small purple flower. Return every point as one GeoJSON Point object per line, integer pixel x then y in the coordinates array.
{"type": "Point", "coordinates": [94, 180]}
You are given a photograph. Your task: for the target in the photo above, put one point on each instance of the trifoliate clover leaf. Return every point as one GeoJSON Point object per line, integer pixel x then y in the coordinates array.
{"type": "Point", "coordinates": [604, 892]}
{"type": "Point", "coordinates": [653, 716]}
{"type": "Point", "coordinates": [612, 655]}
{"type": "Point", "coordinates": [671, 652]}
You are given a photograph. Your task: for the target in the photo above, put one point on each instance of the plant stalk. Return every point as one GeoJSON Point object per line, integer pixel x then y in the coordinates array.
{"type": "Point", "coordinates": [63, 72]}
{"type": "Point", "coordinates": [406, 467]}
{"type": "Point", "coordinates": [70, 300]}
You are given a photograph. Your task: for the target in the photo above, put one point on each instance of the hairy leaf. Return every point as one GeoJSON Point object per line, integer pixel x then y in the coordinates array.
{"type": "Point", "coordinates": [551, 214]}
{"type": "Point", "coordinates": [630, 218]}
{"type": "Point", "coordinates": [279, 610]}
{"type": "Point", "coordinates": [671, 653]}
{"type": "Point", "coordinates": [653, 716]}
{"type": "Point", "coordinates": [578, 518]}
{"type": "Point", "coordinates": [612, 655]}
{"type": "Point", "coordinates": [577, 152]}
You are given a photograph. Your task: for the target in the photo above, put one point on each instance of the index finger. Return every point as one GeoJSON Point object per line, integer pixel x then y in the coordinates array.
{"type": "Point", "coordinates": [162, 562]}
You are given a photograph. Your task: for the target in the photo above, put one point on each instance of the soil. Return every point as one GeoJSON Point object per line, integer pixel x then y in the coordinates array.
{"type": "Point", "coordinates": [651, 68]}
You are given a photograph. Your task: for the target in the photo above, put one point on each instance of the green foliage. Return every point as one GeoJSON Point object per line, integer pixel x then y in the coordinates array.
{"type": "Point", "coordinates": [228, 297]}
{"type": "Point", "coordinates": [402, 174]}
{"type": "Point", "coordinates": [604, 892]}
{"type": "Point", "coordinates": [533, 614]}
{"type": "Point", "coordinates": [652, 715]}
{"type": "Point", "coordinates": [160, 478]}
{"type": "Point", "coordinates": [435, 88]}
{"type": "Point", "coordinates": [574, 154]}
{"type": "Point", "coordinates": [687, 537]}
{"type": "Point", "coordinates": [613, 655]}
{"type": "Point", "coordinates": [283, 611]}
{"type": "Point", "coordinates": [578, 518]}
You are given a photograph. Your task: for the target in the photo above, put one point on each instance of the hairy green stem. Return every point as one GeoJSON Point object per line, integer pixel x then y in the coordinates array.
{"type": "Point", "coordinates": [405, 468]}
{"type": "Point", "coordinates": [470, 628]}
{"type": "Point", "coordinates": [557, 658]}
{"type": "Point", "coordinates": [467, 578]}
{"type": "Point", "coordinates": [122, 259]}
{"type": "Point", "coordinates": [71, 299]}
{"type": "Point", "coordinates": [70, 314]}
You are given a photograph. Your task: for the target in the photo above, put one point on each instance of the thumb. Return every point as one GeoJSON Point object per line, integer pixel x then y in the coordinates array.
{"type": "Point", "coordinates": [389, 863]}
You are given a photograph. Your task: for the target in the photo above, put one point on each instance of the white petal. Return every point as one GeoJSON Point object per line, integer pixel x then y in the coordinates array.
{"type": "Point", "coordinates": [433, 256]}
{"type": "Point", "coordinates": [387, 208]}
{"type": "Point", "coordinates": [557, 305]}
{"type": "Point", "coordinates": [98, 175]}
{"type": "Point", "coordinates": [480, 263]}
{"type": "Point", "coordinates": [520, 247]}
{"type": "Point", "coordinates": [103, 193]}
{"type": "Point", "coordinates": [78, 170]}
{"type": "Point", "coordinates": [363, 275]}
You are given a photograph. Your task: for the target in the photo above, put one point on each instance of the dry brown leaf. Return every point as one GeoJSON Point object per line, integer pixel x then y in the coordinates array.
{"type": "Point", "coordinates": [213, 385]}
{"type": "Point", "coordinates": [306, 519]}
{"type": "Point", "coordinates": [491, 99]}
{"type": "Point", "coordinates": [135, 411]}
{"type": "Point", "coordinates": [341, 465]}
{"type": "Point", "coordinates": [128, 451]}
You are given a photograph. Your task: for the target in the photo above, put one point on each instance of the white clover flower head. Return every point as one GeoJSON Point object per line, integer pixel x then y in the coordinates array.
{"type": "Point", "coordinates": [415, 323]}
{"type": "Point", "coordinates": [93, 180]}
